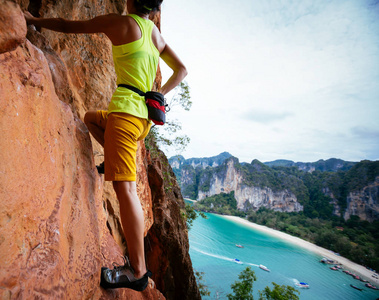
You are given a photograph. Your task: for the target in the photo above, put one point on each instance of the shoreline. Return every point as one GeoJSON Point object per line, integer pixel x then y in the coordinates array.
{"type": "Point", "coordinates": [346, 263]}
{"type": "Point", "coordinates": [187, 199]}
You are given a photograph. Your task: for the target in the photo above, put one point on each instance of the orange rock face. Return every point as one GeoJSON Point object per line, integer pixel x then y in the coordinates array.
{"type": "Point", "coordinates": [59, 221]}
{"type": "Point", "coordinates": [12, 26]}
{"type": "Point", "coordinates": [54, 237]}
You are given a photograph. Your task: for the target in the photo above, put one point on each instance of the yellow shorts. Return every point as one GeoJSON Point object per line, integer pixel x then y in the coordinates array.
{"type": "Point", "coordinates": [122, 132]}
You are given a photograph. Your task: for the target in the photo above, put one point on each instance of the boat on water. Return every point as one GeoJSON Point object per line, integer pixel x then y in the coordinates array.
{"type": "Point", "coordinates": [355, 287]}
{"type": "Point", "coordinates": [264, 268]}
{"type": "Point", "coordinates": [237, 261]}
{"type": "Point", "coordinates": [356, 277]}
{"type": "Point", "coordinates": [328, 261]}
{"type": "Point", "coordinates": [334, 268]}
{"type": "Point", "coordinates": [302, 285]}
{"type": "Point", "coordinates": [239, 246]}
{"type": "Point", "coordinates": [369, 285]}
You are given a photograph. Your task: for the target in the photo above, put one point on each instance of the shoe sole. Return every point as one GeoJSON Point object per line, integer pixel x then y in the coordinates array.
{"type": "Point", "coordinates": [138, 285]}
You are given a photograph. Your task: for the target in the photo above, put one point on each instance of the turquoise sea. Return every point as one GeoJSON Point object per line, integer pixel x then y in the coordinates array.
{"type": "Point", "coordinates": [213, 250]}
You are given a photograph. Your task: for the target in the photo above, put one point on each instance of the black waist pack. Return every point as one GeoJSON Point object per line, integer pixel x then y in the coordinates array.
{"type": "Point", "coordinates": [156, 104]}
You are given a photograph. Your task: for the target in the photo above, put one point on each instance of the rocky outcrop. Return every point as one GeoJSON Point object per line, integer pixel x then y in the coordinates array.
{"type": "Point", "coordinates": [59, 222]}
{"type": "Point", "coordinates": [255, 198]}
{"type": "Point", "coordinates": [334, 202]}
{"type": "Point", "coordinates": [168, 244]}
{"type": "Point", "coordinates": [12, 26]}
{"type": "Point", "coordinates": [179, 161]}
{"type": "Point", "coordinates": [364, 203]}
{"type": "Point", "coordinates": [248, 196]}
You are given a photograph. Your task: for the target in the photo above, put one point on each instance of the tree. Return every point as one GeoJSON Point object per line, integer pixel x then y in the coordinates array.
{"type": "Point", "coordinates": [190, 215]}
{"type": "Point", "coordinates": [181, 97]}
{"type": "Point", "coordinates": [202, 287]}
{"type": "Point", "coordinates": [243, 290]}
{"type": "Point", "coordinates": [167, 135]}
{"type": "Point", "coordinates": [279, 292]}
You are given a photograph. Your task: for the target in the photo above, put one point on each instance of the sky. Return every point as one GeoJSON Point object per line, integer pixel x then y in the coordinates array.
{"type": "Point", "coordinates": [277, 79]}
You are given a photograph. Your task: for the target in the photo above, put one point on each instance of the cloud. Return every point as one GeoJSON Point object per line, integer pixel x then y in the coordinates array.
{"type": "Point", "coordinates": [365, 133]}
{"type": "Point", "coordinates": [265, 117]}
{"type": "Point", "coordinates": [293, 79]}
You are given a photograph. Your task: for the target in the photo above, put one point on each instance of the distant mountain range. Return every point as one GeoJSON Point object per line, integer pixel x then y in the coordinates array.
{"type": "Point", "coordinates": [329, 165]}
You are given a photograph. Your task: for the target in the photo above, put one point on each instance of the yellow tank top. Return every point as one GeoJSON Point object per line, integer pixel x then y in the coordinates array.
{"type": "Point", "coordinates": [136, 64]}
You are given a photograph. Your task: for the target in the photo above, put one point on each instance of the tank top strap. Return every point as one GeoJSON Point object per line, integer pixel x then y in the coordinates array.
{"type": "Point", "coordinates": [146, 26]}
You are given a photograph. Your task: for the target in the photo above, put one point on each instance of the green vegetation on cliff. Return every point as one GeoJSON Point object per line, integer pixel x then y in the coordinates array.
{"type": "Point", "coordinates": [313, 190]}
{"type": "Point", "coordinates": [224, 204]}
{"type": "Point", "coordinates": [320, 185]}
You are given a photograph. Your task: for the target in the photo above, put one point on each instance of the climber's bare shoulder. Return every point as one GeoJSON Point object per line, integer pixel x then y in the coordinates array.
{"type": "Point", "coordinates": [124, 29]}
{"type": "Point", "coordinates": [119, 29]}
{"type": "Point", "coordinates": [158, 39]}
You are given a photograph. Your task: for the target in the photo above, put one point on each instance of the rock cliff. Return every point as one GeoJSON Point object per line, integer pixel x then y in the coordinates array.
{"type": "Point", "coordinates": [355, 192]}
{"type": "Point", "coordinates": [231, 177]}
{"type": "Point", "coordinates": [59, 221]}
{"type": "Point", "coordinates": [214, 161]}
{"type": "Point", "coordinates": [331, 187]}
{"type": "Point", "coordinates": [364, 203]}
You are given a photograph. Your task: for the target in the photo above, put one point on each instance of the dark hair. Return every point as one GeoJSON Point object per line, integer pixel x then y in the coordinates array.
{"type": "Point", "coordinates": [146, 6]}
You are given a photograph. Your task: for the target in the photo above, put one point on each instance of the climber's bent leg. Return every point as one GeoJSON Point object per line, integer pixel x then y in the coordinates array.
{"type": "Point", "coordinates": [96, 122]}
{"type": "Point", "coordinates": [122, 133]}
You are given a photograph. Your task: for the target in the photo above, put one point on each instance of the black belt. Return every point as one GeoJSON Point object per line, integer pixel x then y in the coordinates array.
{"type": "Point", "coordinates": [132, 88]}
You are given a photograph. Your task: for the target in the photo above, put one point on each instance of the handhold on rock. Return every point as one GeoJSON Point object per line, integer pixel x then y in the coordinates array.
{"type": "Point", "coordinates": [12, 26]}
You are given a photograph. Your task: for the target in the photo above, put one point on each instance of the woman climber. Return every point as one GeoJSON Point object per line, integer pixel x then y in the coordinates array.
{"type": "Point", "coordinates": [136, 45]}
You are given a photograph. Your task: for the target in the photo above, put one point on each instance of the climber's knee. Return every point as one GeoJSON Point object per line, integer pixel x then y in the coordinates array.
{"type": "Point", "coordinates": [90, 117]}
{"type": "Point", "coordinates": [96, 118]}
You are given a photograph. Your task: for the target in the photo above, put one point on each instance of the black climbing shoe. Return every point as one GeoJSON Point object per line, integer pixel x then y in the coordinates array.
{"type": "Point", "coordinates": [123, 277]}
{"type": "Point", "coordinates": [100, 168]}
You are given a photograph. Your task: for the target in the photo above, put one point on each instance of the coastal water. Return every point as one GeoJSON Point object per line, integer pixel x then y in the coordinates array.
{"type": "Point", "coordinates": [213, 250]}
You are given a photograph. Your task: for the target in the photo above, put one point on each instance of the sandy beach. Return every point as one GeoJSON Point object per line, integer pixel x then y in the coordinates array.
{"type": "Point", "coordinates": [346, 263]}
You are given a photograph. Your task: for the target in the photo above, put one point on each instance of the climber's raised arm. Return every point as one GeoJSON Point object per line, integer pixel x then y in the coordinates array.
{"type": "Point", "coordinates": [101, 24]}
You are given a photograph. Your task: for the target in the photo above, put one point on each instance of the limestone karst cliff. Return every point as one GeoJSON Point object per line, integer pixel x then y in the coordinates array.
{"type": "Point", "coordinates": [327, 188]}
{"type": "Point", "coordinates": [364, 203]}
{"type": "Point", "coordinates": [230, 175]}
{"type": "Point", "coordinates": [231, 178]}
{"type": "Point", "coordinates": [59, 220]}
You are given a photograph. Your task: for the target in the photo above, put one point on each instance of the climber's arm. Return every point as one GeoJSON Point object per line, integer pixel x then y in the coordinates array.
{"type": "Point", "coordinates": [172, 60]}
{"type": "Point", "coordinates": [99, 24]}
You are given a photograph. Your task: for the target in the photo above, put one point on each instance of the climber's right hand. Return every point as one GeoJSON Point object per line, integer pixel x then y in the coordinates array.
{"type": "Point", "coordinates": [29, 17]}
